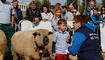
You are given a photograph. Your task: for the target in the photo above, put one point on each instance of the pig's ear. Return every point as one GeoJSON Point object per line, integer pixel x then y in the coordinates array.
{"type": "Point", "coordinates": [36, 33]}
{"type": "Point", "coordinates": [50, 33]}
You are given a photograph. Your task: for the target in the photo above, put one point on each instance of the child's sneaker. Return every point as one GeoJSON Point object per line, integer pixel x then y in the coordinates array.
{"type": "Point", "coordinates": [67, 50]}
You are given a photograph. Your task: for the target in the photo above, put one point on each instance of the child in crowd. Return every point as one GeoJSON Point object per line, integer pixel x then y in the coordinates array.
{"type": "Point", "coordinates": [57, 16]}
{"type": "Point", "coordinates": [60, 41]}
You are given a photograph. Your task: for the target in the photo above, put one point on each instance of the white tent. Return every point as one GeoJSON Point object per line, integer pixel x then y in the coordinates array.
{"type": "Point", "coordinates": [25, 25]}
{"type": "Point", "coordinates": [44, 25]}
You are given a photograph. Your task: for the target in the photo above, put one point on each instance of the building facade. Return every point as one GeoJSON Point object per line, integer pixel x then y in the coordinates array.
{"type": "Point", "coordinates": [23, 6]}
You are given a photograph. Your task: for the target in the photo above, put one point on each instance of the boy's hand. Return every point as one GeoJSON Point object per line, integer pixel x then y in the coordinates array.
{"type": "Point", "coordinates": [68, 45]}
{"type": "Point", "coordinates": [67, 40]}
{"type": "Point", "coordinates": [53, 55]}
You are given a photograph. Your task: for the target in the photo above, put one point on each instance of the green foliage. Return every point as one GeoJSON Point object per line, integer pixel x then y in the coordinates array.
{"type": "Point", "coordinates": [46, 2]}
{"type": "Point", "coordinates": [39, 4]}
{"type": "Point", "coordinates": [103, 2]}
{"type": "Point", "coordinates": [81, 10]}
{"type": "Point", "coordinates": [70, 1]}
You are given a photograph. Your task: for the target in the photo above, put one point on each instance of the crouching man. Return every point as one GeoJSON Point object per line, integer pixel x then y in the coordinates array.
{"type": "Point", "coordinates": [85, 41]}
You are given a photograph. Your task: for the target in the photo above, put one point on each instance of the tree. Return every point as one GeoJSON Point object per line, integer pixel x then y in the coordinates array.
{"type": "Point", "coordinates": [39, 4]}
{"type": "Point", "coordinates": [68, 2]}
{"type": "Point", "coordinates": [75, 3]}
{"type": "Point", "coordinates": [87, 2]}
{"type": "Point", "coordinates": [46, 2]}
{"type": "Point", "coordinates": [103, 2]}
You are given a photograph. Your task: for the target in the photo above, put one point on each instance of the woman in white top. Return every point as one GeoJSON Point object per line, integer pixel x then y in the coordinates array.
{"type": "Point", "coordinates": [102, 29]}
{"type": "Point", "coordinates": [46, 14]}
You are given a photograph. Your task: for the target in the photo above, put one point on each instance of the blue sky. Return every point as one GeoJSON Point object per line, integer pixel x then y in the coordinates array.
{"type": "Point", "coordinates": [53, 2]}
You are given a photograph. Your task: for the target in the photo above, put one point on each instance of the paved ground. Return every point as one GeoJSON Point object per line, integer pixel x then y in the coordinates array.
{"type": "Point", "coordinates": [72, 57]}
{"type": "Point", "coordinates": [75, 57]}
{"type": "Point", "coordinates": [8, 58]}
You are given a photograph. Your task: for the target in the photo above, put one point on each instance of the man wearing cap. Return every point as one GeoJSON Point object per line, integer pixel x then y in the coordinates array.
{"type": "Point", "coordinates": [6, 22]}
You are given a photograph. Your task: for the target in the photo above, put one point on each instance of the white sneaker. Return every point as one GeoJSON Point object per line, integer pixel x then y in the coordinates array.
{"type": "Point", "coordinates": [67, 50]}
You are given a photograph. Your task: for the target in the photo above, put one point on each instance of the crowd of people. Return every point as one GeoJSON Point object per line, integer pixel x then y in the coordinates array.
{"type": "Point", "coordinates": [85, 41]}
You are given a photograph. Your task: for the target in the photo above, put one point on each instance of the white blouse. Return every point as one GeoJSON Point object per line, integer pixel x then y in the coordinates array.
{"type": "Point", "coordinates": [47, 16]}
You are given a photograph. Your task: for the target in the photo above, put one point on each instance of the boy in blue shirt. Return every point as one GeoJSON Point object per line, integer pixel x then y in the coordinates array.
{"type": "Point", "coordinates": [59, 41]}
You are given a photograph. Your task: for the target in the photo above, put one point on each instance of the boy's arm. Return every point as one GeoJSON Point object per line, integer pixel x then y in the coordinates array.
{"type": "Point", "coordinates": [68, 37]}
{"type": "Point", "coordinates": [53, 47]}
{"type": "Point", "coordinates": [78, 40]}
{"type": "Point", "coordinates": [54, 43]}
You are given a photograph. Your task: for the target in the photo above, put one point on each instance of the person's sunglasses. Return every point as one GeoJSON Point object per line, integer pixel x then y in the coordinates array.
{"type": "Point", "coordinates": [74, 12]}
{"type": "Point", "coordinates": [103, 9]}
{"type": "Point", "coordinates": [74, 22]}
